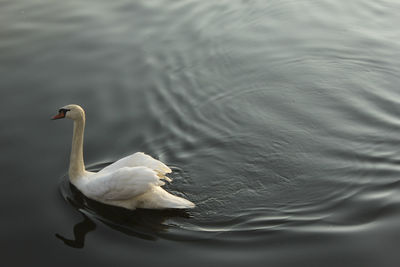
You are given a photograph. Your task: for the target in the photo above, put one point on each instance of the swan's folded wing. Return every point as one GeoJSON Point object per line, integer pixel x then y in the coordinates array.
{"type": "Point", "coordinates": [136, 160]}
{"type": "Point", "coordinates": [122, 184]}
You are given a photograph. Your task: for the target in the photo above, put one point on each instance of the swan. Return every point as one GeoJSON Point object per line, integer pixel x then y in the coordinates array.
{"type": "Point", "coordinates": [132, 182]}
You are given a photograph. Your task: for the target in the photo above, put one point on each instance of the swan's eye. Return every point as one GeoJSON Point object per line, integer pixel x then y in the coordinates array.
{"type": "Point", "coordinates": [63, 110]}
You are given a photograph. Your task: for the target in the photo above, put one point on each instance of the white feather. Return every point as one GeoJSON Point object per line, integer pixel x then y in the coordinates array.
{"type": "Point", "coordinates": [122, 184]}
{"type": "Point", "coordinates": [140, 159]}
{"type": "Point", "coordinates": [136, 160]}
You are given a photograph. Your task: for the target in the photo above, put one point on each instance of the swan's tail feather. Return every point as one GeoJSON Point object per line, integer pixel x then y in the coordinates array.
{"type": "Point", "coordinates": [158, 198]}
{"type": "Point", "coordinates": [178, 203]}
{"type": "Point", "coordinates": [163, 177]}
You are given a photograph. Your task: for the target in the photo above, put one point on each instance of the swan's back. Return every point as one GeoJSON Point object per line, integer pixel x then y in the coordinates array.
{"type": "Point", "coordinates": [131, 188]}
{"type": "Point", "coordinates": [136, 160]}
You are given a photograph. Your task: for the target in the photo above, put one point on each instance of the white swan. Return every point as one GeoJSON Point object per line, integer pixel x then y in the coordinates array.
{"type": "Point", "coordinates": [131, 182]}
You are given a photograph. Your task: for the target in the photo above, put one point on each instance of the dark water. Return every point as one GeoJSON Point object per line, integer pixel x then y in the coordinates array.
{"type": "Point", "coordinates": [280, 120]}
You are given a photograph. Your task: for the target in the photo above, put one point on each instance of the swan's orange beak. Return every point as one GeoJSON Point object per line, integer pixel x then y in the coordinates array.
{"type": "Point", "coordinates": [59, 116]}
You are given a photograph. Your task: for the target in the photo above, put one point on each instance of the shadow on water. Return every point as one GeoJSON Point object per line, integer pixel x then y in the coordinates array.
{"type": "Point", "coordinates": [140, 223]}
{"type": "Point", "coordinates": [80, 231]}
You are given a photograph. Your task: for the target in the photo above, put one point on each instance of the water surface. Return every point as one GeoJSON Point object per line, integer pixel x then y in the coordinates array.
{"type": "Point", "coordinates": [279, 119]}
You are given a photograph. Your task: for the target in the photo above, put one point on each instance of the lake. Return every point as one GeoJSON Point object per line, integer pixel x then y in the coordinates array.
{"type": "Point", "coordinates": [279, 119]}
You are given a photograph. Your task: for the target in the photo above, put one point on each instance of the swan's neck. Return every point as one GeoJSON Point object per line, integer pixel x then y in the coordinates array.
{"type": "Point", "coordinates": [76, 164]}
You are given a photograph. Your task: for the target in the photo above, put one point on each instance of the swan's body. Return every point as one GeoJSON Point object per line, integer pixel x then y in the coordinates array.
{"type": "Point", "coordinates": [131, 182]}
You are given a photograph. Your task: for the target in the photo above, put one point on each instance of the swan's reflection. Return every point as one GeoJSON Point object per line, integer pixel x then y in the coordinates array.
{"type": "Point", "coordinates": [141, 223]}
{"type": "Point", "coordinates": [80, 231]}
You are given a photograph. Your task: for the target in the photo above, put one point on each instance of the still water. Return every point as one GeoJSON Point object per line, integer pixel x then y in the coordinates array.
{"type": "Point", "coordinates": [280, 120]}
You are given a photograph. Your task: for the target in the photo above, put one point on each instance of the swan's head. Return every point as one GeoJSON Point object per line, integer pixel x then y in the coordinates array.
{"type": "Point", "coordinates": [73, 112]}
